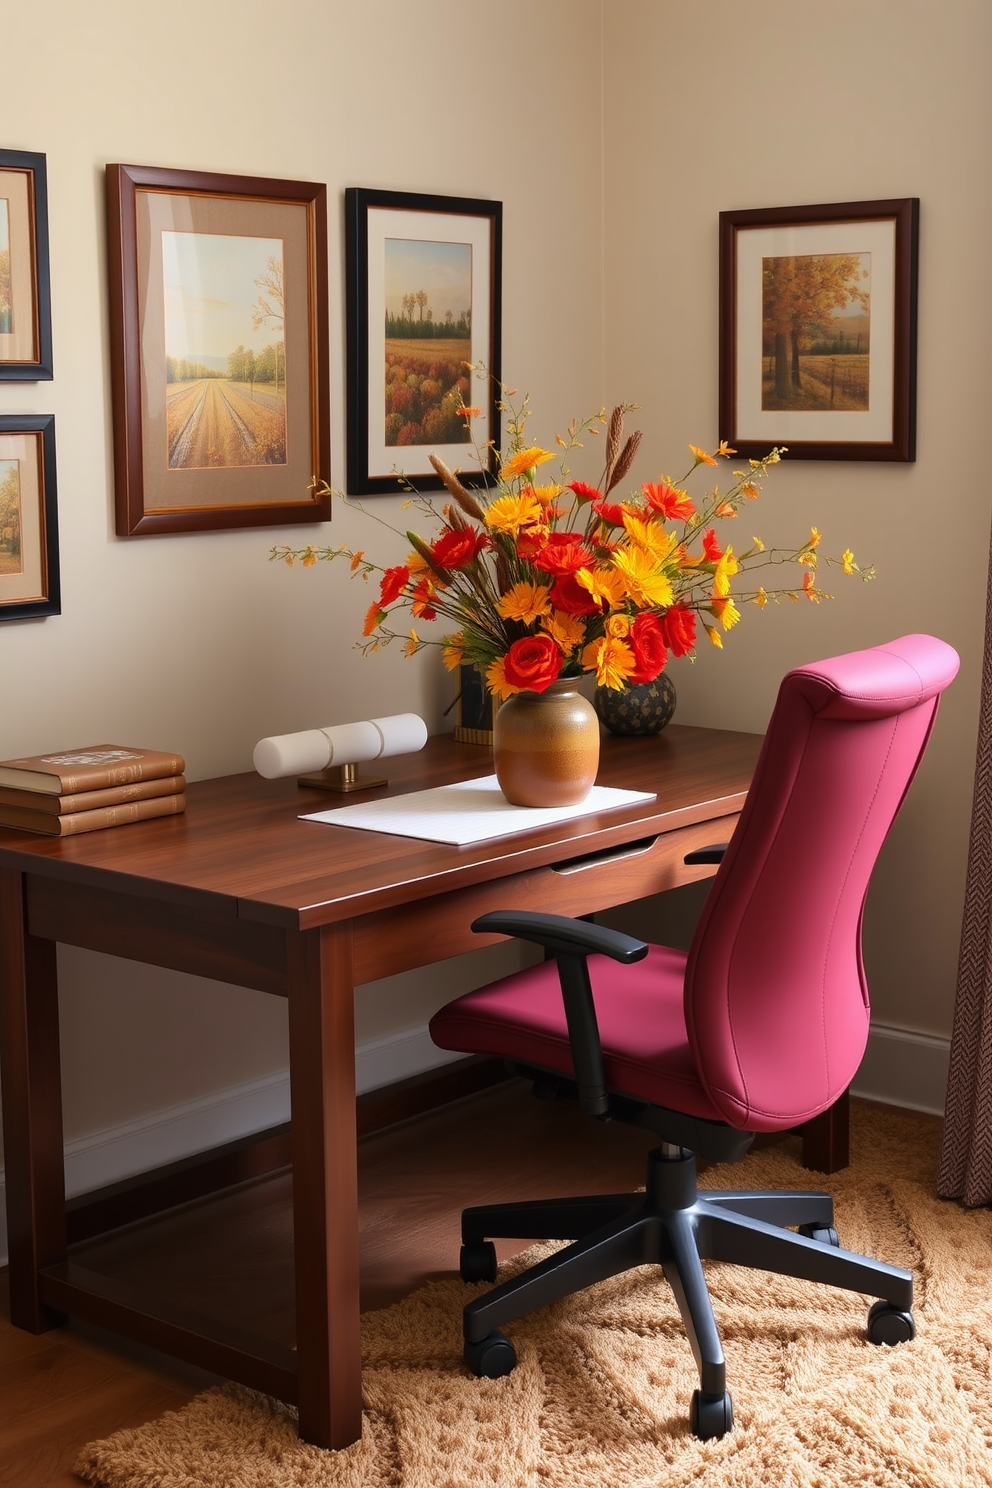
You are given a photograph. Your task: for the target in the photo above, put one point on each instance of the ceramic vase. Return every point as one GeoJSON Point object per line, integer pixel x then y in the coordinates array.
{"type": "Point", "coordinates": [546, 746]}
{"type": "Point", "coordinates": [644, 708]}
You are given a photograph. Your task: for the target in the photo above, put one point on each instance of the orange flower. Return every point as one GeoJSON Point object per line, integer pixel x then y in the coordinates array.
{"type": "Point", "coordinates": [523, 461]}
{"type": "Point", "coordinates": [356, 559]}
{"type": "Point", "coordinates": [467, 412]}
{"type": "Point", "coordinates": [453, 651]}
{"type": "Point", "coordinates": [701, 457]}
{"type": "Point", "coordinates": [374, 617]}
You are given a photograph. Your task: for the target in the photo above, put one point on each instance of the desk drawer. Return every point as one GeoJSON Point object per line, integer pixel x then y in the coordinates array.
{"type": "Point", "coordinates": [432, 930]}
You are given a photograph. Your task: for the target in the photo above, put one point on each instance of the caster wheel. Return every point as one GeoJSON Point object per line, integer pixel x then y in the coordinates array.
{"type": "Point", "coordinates": [710, 1415]}
{"type": "Point", "coordinates": [888, 1324]}
{"type": "Point", "coordinates": [826, 1234]}
{"type": "Point", "coordinates": [477, 1262]}
{"type": "Point", "coordinates": [492, 1357]}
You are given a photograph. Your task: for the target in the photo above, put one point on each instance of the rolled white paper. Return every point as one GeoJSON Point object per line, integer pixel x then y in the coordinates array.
{"type": "Point", "coordinates": [353, 743]}
{"type": "Point", "coordinates": [342, 744]}
{"type": "Point", "coordinates": [402, 733]}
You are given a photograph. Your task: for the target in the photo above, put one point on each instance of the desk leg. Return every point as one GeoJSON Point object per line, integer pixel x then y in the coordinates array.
{"type": "Point", "coordinates": [32, 1107]}
{"type": "Point", "coordinates": [325, 1185]}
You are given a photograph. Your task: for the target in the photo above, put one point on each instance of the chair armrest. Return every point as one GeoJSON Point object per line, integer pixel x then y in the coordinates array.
{"type": "Point", "coordinates": [712, 854]}
{"type": "Point", "coordinates": [560, 933]}
{"type": "Point", "coordinates": [570, 942]}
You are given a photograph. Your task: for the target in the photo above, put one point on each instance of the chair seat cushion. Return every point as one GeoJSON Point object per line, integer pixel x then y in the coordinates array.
{"type": "Point", "coordinates": [641, 1023]}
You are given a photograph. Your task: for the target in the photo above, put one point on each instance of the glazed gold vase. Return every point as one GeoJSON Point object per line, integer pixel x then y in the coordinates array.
{"type": "Point", "coordinates": [546, 746]}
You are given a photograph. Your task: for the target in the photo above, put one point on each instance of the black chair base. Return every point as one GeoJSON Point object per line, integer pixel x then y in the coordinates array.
{"type": "Point", "coordinates": [672, 1225]}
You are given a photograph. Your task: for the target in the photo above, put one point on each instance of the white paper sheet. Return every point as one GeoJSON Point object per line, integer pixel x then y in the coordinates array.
{"type": "Point", "coordinates": [471, 811]}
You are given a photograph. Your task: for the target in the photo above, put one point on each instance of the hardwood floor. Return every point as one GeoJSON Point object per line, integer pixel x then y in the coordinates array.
{"type": "Point", "coordinates": [229, 1257]}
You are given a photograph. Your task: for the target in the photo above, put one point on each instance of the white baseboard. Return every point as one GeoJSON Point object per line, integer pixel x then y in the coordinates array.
{"type": "Point", "coordinates": [900, 1067]}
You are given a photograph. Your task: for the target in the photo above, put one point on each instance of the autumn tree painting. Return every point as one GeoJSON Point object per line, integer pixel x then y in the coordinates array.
{"type": "Point", "coordinates": [10, 517]}
{"type": "Point", "coordinates": [428, 341]}
{"type": "Point", "coordinates": [225, 350]}
{"type": "Point", "coordinates": [5, 310]}
{"type": "Point", "coordinates": [816, 318]}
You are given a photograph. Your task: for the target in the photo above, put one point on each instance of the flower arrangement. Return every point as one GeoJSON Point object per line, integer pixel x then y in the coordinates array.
{"type": "Point", "coordinates": [546, 578]}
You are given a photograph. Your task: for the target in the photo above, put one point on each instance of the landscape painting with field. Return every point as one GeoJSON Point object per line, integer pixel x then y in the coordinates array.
{"type": "Point", "coordinates": [225, 350]}
{"type": "Point", "coordinates": [5, 308]}
{"type": "Point", "coordinates": [428, 294]}
{"type": "Point", "coordinates": [10, 517]}
{"type": "Point", "coordinates": [816, 332]}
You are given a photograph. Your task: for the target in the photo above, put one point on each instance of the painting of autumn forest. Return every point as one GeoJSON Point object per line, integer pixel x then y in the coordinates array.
{"type": "Point", "coordinates": [10, 517]}
{"type": "Point", "coordinates": [816, 344]}
{"type": "Point", "coordinates": [225, 351]}
{"type": "Point", "coordinates": [428, 341]}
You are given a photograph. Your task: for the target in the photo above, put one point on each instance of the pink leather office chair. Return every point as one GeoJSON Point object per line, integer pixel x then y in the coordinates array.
{"type": "Point", "coordinates": [761, 1027]}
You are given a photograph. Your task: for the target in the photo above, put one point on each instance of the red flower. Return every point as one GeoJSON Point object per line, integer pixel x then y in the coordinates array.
{"type": "Point", "coordinates": [712, 550]}
{"type": "Point", "coordinates": [584, 492]}
{"type": "Point", "coordinates": [679, 628]}
{"type": "Point", "coordinates": [647, 641]}
{"type": "Point", "coordinates": [609, 512]}
{"type": "Point", "coordinates": [532, 663]}
{"type": "Point", "coordinates": [394, 581]}
{"type": "Point", "coordinates": [458, 547]}
{"type": "Point", "coordinates": [531, 542]}
{"type": "Point", "coordinates": [421, 600]}
{"type": "Point", "coordinates": [563, 553]}
{"type": "Point", "coordinates": [569, 595]}
{"type": "Point", "coordinates": [673, 504]}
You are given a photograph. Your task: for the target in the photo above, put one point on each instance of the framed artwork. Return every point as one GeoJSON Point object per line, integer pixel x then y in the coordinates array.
{"type": "Point", "coordinates": [25, 286]}
{"type": "Point", "coordinates": [29, 524]}
{"type": "Point", "coordinates": [818, 330]}
{"type": "Point", "coordinates": [218, 295]}
{"type": "Point", "coordinates": [423, 308]}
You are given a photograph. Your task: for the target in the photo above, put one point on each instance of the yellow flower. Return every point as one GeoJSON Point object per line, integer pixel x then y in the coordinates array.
{"type": "Point", "coordinates": [604, 584]}
{"type": "Point", "coordinates": [546, 494]}
{"type": "Point", "coordinates": [701, 457]}
{"type": "Point", "coordinates": [567, 631]}
{"type": "Point", "coordinates": [714, 635]}
{"type": "Point", "coordinates": [618, 626]}
{"type": "Point", "coordinates": [814, 537]}
{"type": "Point", "coordinates": [453, 651]}
{"type": "Point", "coordinates": [526, 602]}
{"type": "Point", "coordinates": [761, 599]}
{"type": "Point", "coordinates": [523, 461]}
{"type": "Point", "coordinates": [758, 544]}
{"type": "Point", "coordinates": [498, 685]}
{"type": "Point", "coordinates": [416, 563]}
{"type": "Point", "coordinates": [510, 513]}
{"type": "Point", "coordinates": [643, 581]}
{"type": "Point", "coordinates": [725, 569]}
{"type": "Point", "coordinates": [309, 558]}
{"type": "Point", "coordinates": [725, 449]}
{"type": "Point", "coordinates": [412, 645]}
{"type": "Point", "coordinates": [726, 612]}
{"type": "Point", "coordinates": [847, 559]}
{"type": "Point", "coordinates": [612, 661]}
{"type": "Point", "coordinates": [649, 536]}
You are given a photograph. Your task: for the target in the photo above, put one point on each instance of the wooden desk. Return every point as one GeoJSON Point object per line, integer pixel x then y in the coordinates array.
{"type": "Point", "coordinates": [241, 890]}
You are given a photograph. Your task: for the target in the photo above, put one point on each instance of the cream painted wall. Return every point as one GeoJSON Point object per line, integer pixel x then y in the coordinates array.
{"type": "Point", "coordinates": [718, 105]}
{"type": "Point", "coordinates": [195, 642]}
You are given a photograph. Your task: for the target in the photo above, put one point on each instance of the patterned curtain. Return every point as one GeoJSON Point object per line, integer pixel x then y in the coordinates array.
{"type": "Point", "coordinates": [965, 1170]}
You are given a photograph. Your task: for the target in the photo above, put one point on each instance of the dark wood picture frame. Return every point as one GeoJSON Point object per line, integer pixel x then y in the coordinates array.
{"type": "Point", "coordinates": [25, 278]}
{"type": "Point", "coordinates": [29, 530]}
{"type": "Point", "coordinates": [169, 481]}
{"type": "Point", "coordinates": [471, 230]}
{"type": "Point", "coordinates": [859, 405]}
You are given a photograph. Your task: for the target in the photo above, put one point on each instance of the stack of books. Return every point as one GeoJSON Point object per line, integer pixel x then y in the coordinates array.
{"type": "Point", "coordinates": [84, 790]}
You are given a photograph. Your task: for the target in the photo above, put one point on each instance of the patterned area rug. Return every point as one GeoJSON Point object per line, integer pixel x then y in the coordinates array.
{"type": "Point", "coordinates": [601, 1392]}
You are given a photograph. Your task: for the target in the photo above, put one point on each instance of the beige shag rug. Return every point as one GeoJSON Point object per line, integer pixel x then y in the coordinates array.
{"type": "Point", "coordinates": [601, 1392]}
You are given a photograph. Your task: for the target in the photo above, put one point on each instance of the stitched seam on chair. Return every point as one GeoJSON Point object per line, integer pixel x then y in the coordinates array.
{"type": "Point", "coordinates": [733, 953]}
{"type": "Point", "coordinates": [840, 895]}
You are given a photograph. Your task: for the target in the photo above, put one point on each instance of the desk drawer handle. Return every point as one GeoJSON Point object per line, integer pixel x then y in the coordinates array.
{"type": "Point", "coordinates": [606, 855]}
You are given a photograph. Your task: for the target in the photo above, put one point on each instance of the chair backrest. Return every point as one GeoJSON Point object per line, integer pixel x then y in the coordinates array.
{"type": "Point", "coordinates": [775, 997]}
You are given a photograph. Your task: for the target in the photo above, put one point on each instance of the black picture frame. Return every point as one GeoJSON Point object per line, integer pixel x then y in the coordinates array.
{"type": "Point", "coordinates": [858, 402]}
{"type": "Point", "coordinates": [33, 589]}
{"type": "Point", "coordinates": [465, 235]}
{"type": "Point", "coordinates": [25, 280]}
{"type": "Point", "coordinates": [166, 479]}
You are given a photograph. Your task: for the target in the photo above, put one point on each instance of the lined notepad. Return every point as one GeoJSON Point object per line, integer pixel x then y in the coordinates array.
{"type": "Point", "coordinates": [471, 811]}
